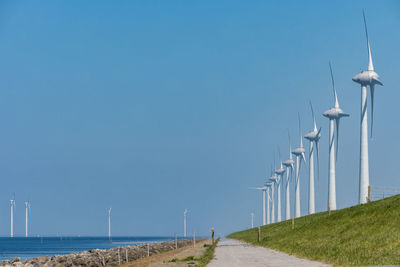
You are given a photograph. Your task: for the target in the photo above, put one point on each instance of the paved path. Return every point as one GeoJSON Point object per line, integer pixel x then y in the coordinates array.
{"type": "Point", "coordinates": [232, 253]}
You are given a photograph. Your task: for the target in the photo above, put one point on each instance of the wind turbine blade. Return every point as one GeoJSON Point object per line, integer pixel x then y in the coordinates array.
{"type": "Point", "coordinates": [333, 81]}
{"type": "Point", "coordinates": [333, 86]}
{"type": "Point", "coordinates": [301, 139]}
{"type": "Point", "coordinates": [254, 188]}
{"type": "Point", "coordinates": [319, 131]}
{"type": "Point", "coordinates": [377, 81]}
{"type": "Point", "coordinates": [273, 156]}
{"type": "Point", "coordinates": [299, 170]}
{"type": "Point", "coordinates": [303, 157]}
{"type": "Point", "coordinates": [370, 64]}
{"type": "Point", "coordinates": [291, 172]}
{"type": "Point", "coordinates": [317, 148]}
{"type": "Point", "coordinates": [298, 117]}
{"type": "Point", "coordinates": [337, 137]}
{"type": "Point", "coordinates": [290, 146]}
{"type": "Point", "coordinates": [279, 154]}
{"type": "Point", "coordinates": [312, 112]}
{"type": "Point", "coordinates": [372, 86]}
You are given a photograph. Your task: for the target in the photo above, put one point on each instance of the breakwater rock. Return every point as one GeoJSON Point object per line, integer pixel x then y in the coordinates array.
{"type": "Point", "coordinates": [100, 257]}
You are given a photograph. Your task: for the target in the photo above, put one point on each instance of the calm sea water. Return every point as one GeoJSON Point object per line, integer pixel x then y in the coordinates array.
{"type": "Point", "coordinates": [31, 247]}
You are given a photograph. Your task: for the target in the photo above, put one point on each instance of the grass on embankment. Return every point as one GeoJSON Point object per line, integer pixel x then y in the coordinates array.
{"type": "Point", "coordinates": [202, 261]}
{"type": "Point", "coordinates": [366, 234]}
{"type": "Point", "coordinates": [208, 255]}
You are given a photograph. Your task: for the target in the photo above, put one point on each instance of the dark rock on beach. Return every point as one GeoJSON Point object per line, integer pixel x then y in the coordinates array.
{"type": "Point", "coordinates": [99, 257]}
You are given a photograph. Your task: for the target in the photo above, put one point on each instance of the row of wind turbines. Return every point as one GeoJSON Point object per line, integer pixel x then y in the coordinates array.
{"type": "Point", "coordinates": [27, 213]}
{"type": "Point", "coordinates": [366, 78]}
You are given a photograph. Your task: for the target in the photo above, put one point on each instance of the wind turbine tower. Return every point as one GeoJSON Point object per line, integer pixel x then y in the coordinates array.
{"type": "Point", "coordinates": [279, 172]}
{"type": "Point", "coordinates": [273, 180]}
{"type": "Point", "coordinates": [300, 155]}
{"type": "Point", "coordinates": [263, 189]}
{"type": "Point", "coordinates": [184, 222]}
{"type": "Point", "coordinates": [27, 208]}
{"type": "Point", "coordinates": [12, 202]}
{"type": "Point", "coordinates": [333, 114]}
{"type": "Point", "coordinates": [268, 186]}
{"type": "Point", "coordinates": [365, 78]}
{"type": "Point", "coordinates": [109, 223]}
{"type": "Point", "coordinates": [252, 219]}
{"type": "Point", "coordinates": [313, 137]}
{"type": "Point", "coordinates": [289, 164]}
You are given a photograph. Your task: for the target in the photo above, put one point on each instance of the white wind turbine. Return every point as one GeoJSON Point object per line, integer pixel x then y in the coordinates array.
{"type": "Point", "coordinates": [184, 222]}
{"type": "Point", "coordinates": [273, 180]}
{"type": "Point", "coordinates": [289, 164]}
{"type": "Point", "coordinates": [279, 172]}
{"type": "Point", "coordinates": [109, 223]}
{"type": "Point", "coordinates": [300, 155]}
{"type": "Point", "coordinates": [12, 202]}
{"type": "Point", "coordinates": [269, 186]}
{"type": "Point", "coordinates": [27, 209]}
{"type": "Point", "coordinates": [263, 189]}
{"type": "Point", "coordinates": [365, 78]}
{"type": "Point", "coordinates": [252, 219]}
{"type": "Point", "coordinates": [313, 137]}
{"type": "Point", "coordinates": [333, 114]}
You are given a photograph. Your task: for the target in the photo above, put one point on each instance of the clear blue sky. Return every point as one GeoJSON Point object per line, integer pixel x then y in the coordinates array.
{"type": "Point", "coordinates": [152, 107]}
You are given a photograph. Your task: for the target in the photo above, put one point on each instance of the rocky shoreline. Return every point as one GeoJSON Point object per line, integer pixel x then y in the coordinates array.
{"type": "Point", "coordinates": [100, 257]}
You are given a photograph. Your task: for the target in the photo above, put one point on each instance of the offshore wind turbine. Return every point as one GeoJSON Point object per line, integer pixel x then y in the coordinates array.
{"type": "Point", "coordinates": [299, 153]}
{"type": "Point", "coordinates": [12, 202]}
{"type": "Point", "coordinates": [109, 223]}
{"type": "Point", "coordinates": [184, 222]}
{"type": "Point", "coordinates": [289, 164]}
{"type": "Point", "coordinates": [313, 137]}
{"type": "Point", "coordinates": [333, 114]}
{"type": "Point", "coordinates": [365, 78]}
{"type": "Point", "coordinates": [263, 189]}
{"type": "Point", "coordinates": [27, 209]}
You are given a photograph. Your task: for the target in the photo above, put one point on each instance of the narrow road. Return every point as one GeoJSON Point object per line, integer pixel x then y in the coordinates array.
{"type": "Point", "coordinates": [232, 253]}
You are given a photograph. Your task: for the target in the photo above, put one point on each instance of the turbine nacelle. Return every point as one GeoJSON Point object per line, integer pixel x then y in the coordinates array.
{"type": "Point", "coordinates": [313, 136]}
{"type": "Point", "coordinates": [274, 179]}
{"type": "Point", "coordinates": [335, 113]}
{"type": "Point", "coordinates": [298, 151]}
{"type": "Point", "coordinates": [268, 184]}
{"type": "Point", "coordinates": [288, 163]}
{"type": "Point", "coordinates": [280, 171]}
{"type": "Point", "coordinates": [368, 77]}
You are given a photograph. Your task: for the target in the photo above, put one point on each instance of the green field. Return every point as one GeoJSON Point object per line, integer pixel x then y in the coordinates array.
{"type": "Point", "coordinates": [366, 234]}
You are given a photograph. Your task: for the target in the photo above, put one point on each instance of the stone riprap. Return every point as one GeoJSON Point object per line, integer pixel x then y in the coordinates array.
{"type": "Point", "coordinates": [99, 257]}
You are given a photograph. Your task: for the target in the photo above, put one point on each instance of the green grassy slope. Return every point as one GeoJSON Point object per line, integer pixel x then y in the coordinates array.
{"type": "Point", "coordinates": [366, 234]}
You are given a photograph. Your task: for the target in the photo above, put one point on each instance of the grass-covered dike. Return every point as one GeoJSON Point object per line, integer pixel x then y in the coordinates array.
{"type": "Point", "coordinates": [366, 234]}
